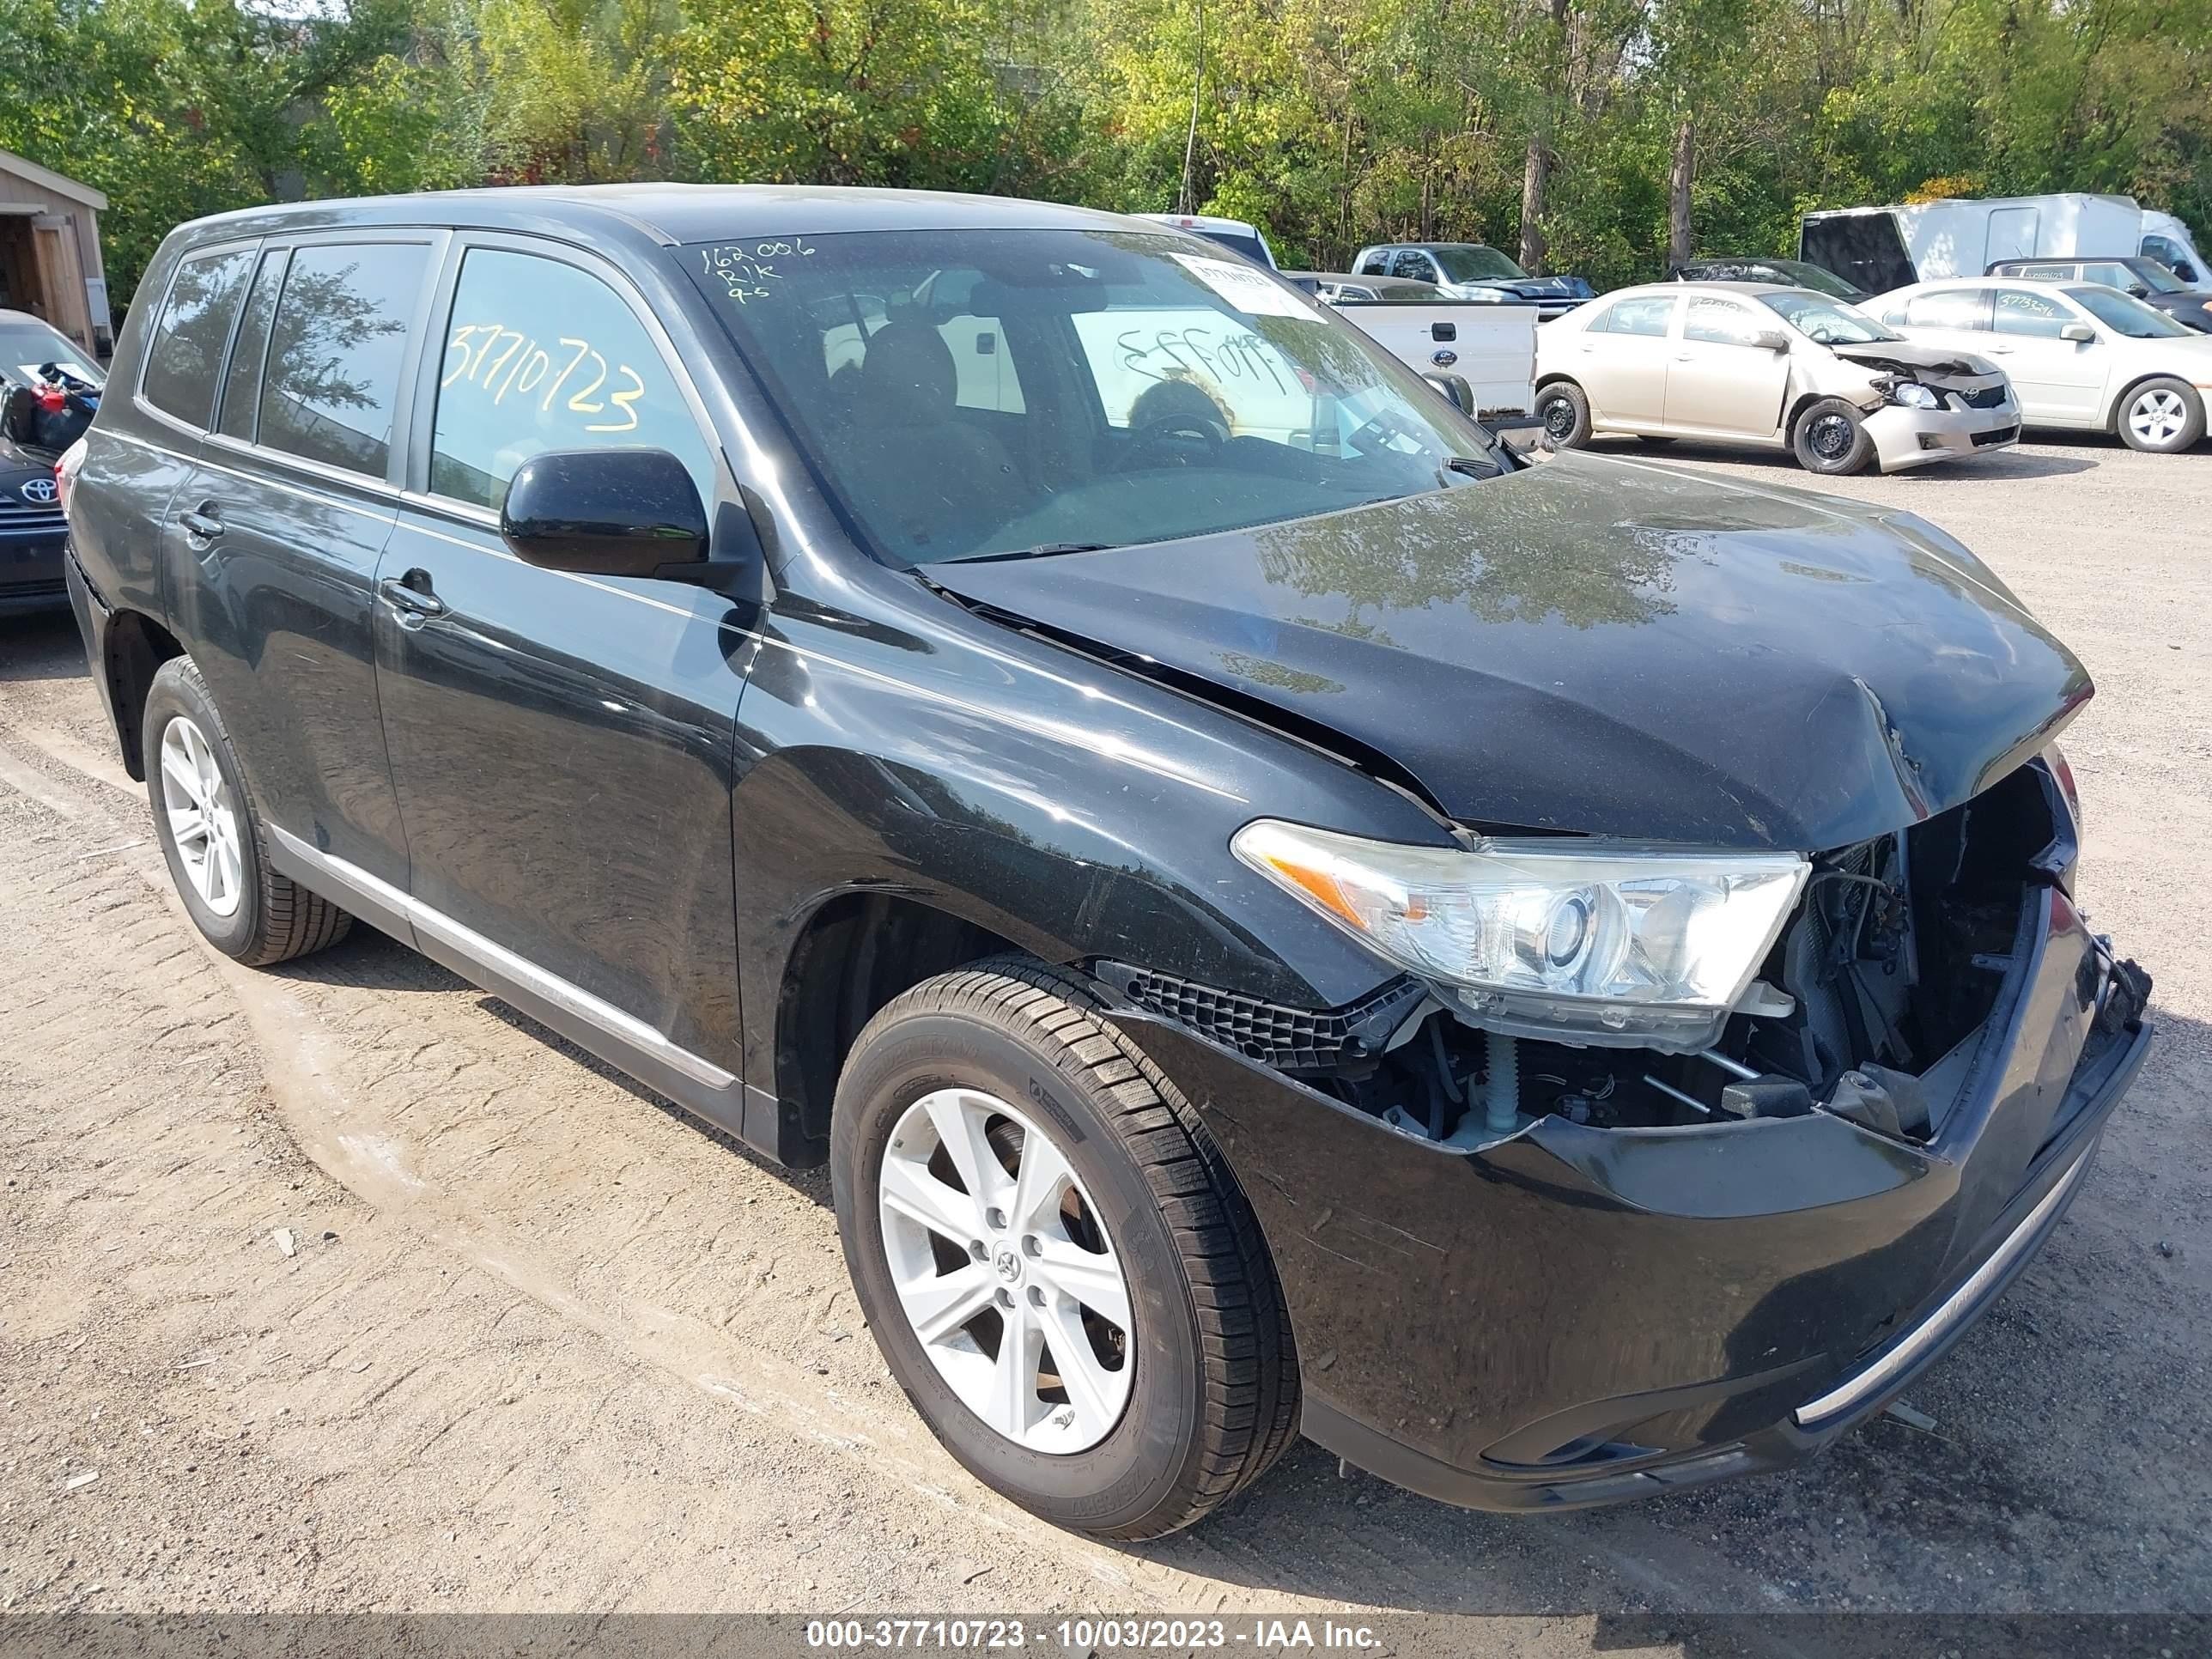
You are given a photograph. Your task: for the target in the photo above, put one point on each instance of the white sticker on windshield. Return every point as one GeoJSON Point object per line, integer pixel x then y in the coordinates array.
{"type": "Point", "coordinates": [1248, 288]}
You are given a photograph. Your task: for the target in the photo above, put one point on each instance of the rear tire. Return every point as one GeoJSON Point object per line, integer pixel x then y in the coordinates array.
{"type": "Point", "coordinates": [212, 836]}
{"type": "Point", "coordinates": [999, 1053]}
{"type": "Point", "coordinates": [2161, 417]}
{"type": "Point", "coordinates": [1830, 439]}
{"type": "Point", "coordinates": [1565, 412]}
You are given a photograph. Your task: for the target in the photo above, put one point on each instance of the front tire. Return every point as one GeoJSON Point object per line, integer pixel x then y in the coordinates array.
{"type": "Point", "coordinates": [1054, 1258]}
{"type": "Point", "coordinates": [1830, 439]}
{"type": "Point", "coordinates": [212, 836]}
{"type": "Point", "coordinates": [2161, 418]}
{"type": "Point", "coordinates": [1565, 411]}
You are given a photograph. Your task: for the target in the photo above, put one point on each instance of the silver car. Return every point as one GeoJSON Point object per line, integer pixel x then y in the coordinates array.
{"type": "Point", "coordinates": [1770, 367]}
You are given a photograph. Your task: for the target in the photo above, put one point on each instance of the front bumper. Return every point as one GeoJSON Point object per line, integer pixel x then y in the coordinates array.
{"type": "Point", "coordinates": [31, 568]}
{"type": "Point", "coordinates": [1577, 1315]}
{"type": "Point", "coordinates": [1906, 438]}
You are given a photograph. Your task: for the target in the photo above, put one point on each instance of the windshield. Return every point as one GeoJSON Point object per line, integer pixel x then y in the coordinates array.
{"type": "Point", "coordinates": [1830, 322]}
{"type": "Point", "coordinates": [26, 347]}
{"type": "Point", "coordinates": [968, 393]}
{"type": "Point", "coordinates": [1817, 278]}
{"type": "Point", "coordinates": [2125, 314]}
{"type": "Point", "coordinates": [2155, 276]}
{"type": "Point", "coordinates": [1471, 263]}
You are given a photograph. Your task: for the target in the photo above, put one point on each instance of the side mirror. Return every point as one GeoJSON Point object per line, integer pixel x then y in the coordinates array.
{"type": "Point", "coordinates": [1770, 339]}
{"type": "Point", "coordinates": [1455, 389]}
{"type": "Point", "coordinates": [2141, 290]}
{"type": "Point", "coordinates": [2080, 333]}
{"type": "Point", "coordinates": [606, 513]}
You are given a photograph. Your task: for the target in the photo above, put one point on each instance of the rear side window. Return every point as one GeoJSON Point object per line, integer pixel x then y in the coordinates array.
{"type": "Point", "coordinates": [335, 350]}
{"type": "Point", "coordinates": [1649, 316]}
{"type": "Point", "coordinates": [1414, 265]}
{"type": "Point", "coordinates": [194, 326]}
{"type": "Point", "coordinates": [540, 356]}
{"type": "Point", "coordinates": [1950, 307]}
{"type": "Point", "coordinates": [241, 383]}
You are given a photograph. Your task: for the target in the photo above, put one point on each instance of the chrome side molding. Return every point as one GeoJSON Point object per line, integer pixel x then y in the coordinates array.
{"type": "Point", "coordinates": [377, 896]}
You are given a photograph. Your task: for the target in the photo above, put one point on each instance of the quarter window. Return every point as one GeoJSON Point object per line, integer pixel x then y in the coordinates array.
{"type": "Point", "coordinates": [335, 351]}
{"type": "Point", "coordinates": [2020, 311]}
{"type": "Point", "coordinates": [188, 341]}
{"type": "Point", "coordinates": [1649, 316]}
{"type": "Point", "coordinates": [1719, 322]}
{"type": "Point", "coordinates": [1413, 264]}
{"type": "Point", "coordinates": [538, 356]}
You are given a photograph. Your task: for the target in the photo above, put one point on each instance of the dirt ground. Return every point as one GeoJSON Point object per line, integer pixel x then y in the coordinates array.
{"type": "Point", "coordinates": [342, 1286]}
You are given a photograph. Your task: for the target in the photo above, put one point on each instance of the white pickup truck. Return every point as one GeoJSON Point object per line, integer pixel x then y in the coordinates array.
{"type": "Point", "coordinates": [1492, 347]}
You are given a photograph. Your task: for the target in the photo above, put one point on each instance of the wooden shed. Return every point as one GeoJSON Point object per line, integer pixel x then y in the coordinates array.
{"type": "Point", "coordinates": [50, 262]}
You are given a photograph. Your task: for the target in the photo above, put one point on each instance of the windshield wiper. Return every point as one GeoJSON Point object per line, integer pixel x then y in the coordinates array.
{"type": "Point", "coordinates": [1041, 551]}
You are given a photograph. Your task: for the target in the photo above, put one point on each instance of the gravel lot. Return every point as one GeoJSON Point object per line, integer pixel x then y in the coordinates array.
{"type": "Point", "coordinates": [541, 1342]}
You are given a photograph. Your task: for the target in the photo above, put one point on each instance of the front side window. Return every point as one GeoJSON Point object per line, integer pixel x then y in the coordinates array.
{"type": "Point", "coordinates": [189, 337]}
{"type": "Point", "coordinates": [2125, 314]}
{"type": "Point", "coordinates": [2037, 316]}
{"type": "Point", "coordinates": [1719, 322]}
{"type": "Point", "coordinates": [539, 355]}
{"type": "Point", "coordinates": [335, 350]}
{"type": "Point", "coordinates": [1477, 264]}
{"type": "Point", "coordinates": [967, 393]}
{"type": "Point", "coordinates": [1414, 265]}
{"type": "Point", "coordinates": [1649, 315]}
{"type": "Point", "coordinates": [1829, 322]}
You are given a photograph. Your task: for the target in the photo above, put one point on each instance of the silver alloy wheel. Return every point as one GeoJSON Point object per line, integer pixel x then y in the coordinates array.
{"type": "Point", "coordinates": [202, 821]}
{"type": "Point", "coordinates": [2157, 415]}
{"type": "Point", "coordinates": [1006, 1273]}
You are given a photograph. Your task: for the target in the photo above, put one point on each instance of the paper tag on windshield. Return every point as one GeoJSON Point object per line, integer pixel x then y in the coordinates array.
{"type": "Point", "coordinates": [1250, 290]}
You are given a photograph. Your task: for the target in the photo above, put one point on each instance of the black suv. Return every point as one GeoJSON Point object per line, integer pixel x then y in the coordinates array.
{"type": "Point", "coordinates": [1558, 981]}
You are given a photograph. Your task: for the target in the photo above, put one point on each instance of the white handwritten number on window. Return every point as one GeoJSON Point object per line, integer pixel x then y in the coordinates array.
{"type": "Point", "coordinates": [499, 360]}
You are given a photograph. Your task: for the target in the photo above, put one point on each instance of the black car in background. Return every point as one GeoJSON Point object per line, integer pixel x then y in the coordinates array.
{"type": "Point", "coordinates": [47, 394]}
{"type": "Point", "coordinates": [2146, 279]}
{"type": "Point", "coordinates": [1789, 273]}
{"type": "Point", "coordinates": [1559, 981]}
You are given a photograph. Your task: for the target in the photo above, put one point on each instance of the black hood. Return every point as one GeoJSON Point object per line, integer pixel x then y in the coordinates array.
{"type": "Point", "coordinates": [1606, 647]}
{"type": "Point", "coordinates": [1536, 288]}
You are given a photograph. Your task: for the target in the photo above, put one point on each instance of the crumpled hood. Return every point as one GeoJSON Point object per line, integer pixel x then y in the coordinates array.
{"type": "Point", "coordinates": [1915, 358]}
{"type": "Point", "coordinates": [1612, 648]}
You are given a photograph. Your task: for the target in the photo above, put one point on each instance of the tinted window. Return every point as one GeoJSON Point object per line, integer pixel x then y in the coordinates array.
{"type": "Point", "coordinates": [2038, 315]}
{"type": "Point", "coordinates": [241, 384]}
{"type": "Point", "coordinates": [1719, 322]}
{"type": "Point", "coordinates": [188, 340]}
{"type": "Point", "coordinates": [1377, 264]}
{"type": "Point", "coordinates": [334, 352]}
{"type": "Point", "coordinates": [1861, 248]}
{"type": "Point", "coordinates": [1414, 264]}
{"type": "Point", "coordinates": [1649, 315]}
{"type": "Point", "coordinates": [540, 356]}
{"type": "Point", "coordinates": [1240, 242]}
{"type": "Point", "coordinates": [1949, 307]}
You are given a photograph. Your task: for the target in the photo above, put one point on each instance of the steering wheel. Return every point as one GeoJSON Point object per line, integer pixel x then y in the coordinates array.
{"type": "Point", "coordinates": [1180, 438]}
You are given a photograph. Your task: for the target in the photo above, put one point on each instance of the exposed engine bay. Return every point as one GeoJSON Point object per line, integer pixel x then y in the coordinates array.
{"type": "Point", "coordinates": [1867, 1005]}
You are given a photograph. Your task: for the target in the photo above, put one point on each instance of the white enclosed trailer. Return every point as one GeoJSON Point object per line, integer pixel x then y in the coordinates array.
{"type": "Point", "coordinates": [1882, 248]}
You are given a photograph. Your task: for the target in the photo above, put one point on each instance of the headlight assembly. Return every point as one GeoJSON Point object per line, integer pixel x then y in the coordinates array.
{"type": "Point", "coordinates": [1612, 944]}
{"type": "Point", "coordinates": [1913, 395]}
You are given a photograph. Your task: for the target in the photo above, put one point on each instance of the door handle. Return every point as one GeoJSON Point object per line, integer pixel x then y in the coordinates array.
{"type": "Point", "coordinates": [201, 526]}
{"type": "Point", "coordinates": [410, 595]}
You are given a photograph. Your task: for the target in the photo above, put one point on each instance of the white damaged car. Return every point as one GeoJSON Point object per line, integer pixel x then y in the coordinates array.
{"type": "Point", "coordinates": [1770, 367]}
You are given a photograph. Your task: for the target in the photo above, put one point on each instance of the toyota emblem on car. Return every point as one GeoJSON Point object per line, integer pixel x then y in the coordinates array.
{"type": "Point", "coordinates": [40, 490]}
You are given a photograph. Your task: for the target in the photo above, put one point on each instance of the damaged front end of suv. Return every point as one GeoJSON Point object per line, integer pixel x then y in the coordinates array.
{"type": "Point", "coordinates": [1742, 1039]}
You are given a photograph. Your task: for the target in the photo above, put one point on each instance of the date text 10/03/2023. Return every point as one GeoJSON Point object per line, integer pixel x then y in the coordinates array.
{"type": "Point", "coordinates": [1092, 1635]}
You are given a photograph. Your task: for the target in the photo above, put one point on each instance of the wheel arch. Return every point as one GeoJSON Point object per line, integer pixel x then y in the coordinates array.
{"type": "Point", "coordinates": [2111, 419]}
{"type": "Point", "coordinates": [134, 646]}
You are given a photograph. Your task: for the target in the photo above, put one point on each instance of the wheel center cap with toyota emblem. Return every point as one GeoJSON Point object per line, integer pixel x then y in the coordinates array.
{"type": "Point", "coordinates": [1008, 1261]}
